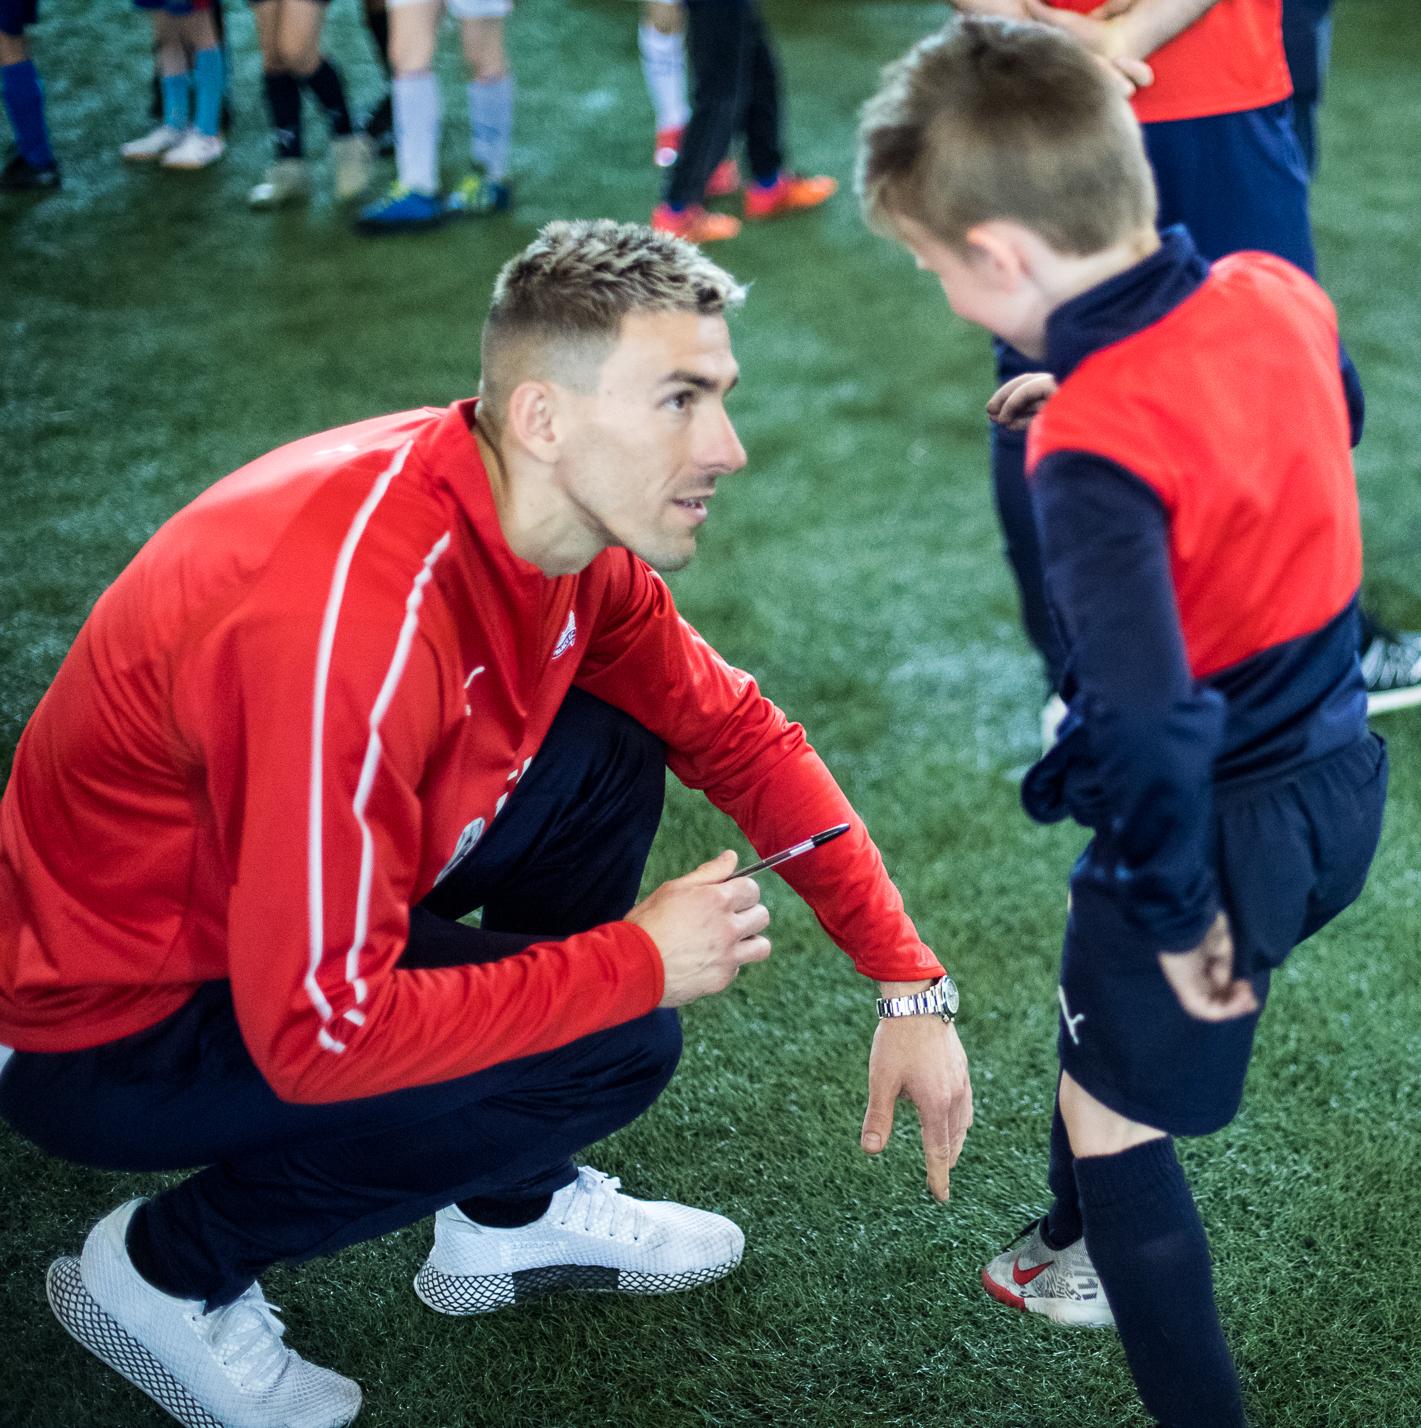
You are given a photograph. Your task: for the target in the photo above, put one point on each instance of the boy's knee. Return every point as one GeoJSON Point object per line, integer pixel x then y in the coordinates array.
{"type": "Point", "coordinates": [1093, 1128]}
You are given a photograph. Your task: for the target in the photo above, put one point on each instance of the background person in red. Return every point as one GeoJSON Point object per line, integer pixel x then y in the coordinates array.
{"type": "Point", "coordinates": [1219, 130]}
{"type": "Point", "coordinates": [373, 681]}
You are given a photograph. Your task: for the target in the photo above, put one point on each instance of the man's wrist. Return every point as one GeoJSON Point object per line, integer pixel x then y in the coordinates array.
{"type": "Point", "coordinates": [904, 989]}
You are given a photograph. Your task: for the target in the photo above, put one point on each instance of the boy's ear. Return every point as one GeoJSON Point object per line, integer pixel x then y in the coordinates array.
{"type": "Point", "coordinates": [999, 252]}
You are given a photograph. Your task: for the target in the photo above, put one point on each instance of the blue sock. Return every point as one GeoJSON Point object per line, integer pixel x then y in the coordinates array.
{"type": "Point", "coordinates": [208, 78]}
{"type": "Point", "coordinates": [24, 103]}
{"type": "Point", "coordinates": [1063, 1220]}
{"type": "Point", "coordinates": [177, 100]}
{"type": "Point", "coordinates": [1147, 1243]}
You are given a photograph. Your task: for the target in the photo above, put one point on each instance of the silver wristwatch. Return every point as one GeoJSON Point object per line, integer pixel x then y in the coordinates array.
{"type": "Point", "coordinates": [940, 999]}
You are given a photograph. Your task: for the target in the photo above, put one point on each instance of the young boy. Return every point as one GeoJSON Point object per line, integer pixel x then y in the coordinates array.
{"type": "Point", "coordinates": [31, 166]}
{"type": "Point", "coordinates": [1191, 476]}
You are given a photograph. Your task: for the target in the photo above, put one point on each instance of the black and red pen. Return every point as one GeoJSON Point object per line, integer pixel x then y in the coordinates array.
{"type": "Point", "coordinates": [785, 854]}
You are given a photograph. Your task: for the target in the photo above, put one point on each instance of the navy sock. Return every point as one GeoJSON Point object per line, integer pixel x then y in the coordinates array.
{"type": "Point", "coordinates": [24, 102]}
{"type": "Point", "coordinates": [505, 1214]}
{"type": "Point", "coordinates": [1147, 1243]}
{"type": "Point", "coordinates": [283, 102]}
{"type": "Point", "coordinates": [1063, 1220]}
{"type": "Point", "coordinates": [378, 23]}
{"type": "Point", "coordinates": [327, 90]}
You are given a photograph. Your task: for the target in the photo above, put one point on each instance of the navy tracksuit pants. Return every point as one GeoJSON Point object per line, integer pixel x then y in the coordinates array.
{"type": "Point", "coordinates": [284, 1182]}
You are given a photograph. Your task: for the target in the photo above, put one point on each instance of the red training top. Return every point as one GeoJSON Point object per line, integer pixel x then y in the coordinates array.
{"type": "Point", "coordinates": [1264, 533]}
{"type": "Point", "coordinates": [1229, 59]}
{"type": "Point", "coordinates": [309, 689]}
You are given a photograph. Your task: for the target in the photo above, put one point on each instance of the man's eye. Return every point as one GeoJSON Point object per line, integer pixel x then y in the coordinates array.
{"type": "Point", "coordinates": [681, 401]}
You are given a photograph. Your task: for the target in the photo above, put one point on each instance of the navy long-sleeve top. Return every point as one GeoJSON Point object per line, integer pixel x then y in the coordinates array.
{"type": "Point", "coordinates": [1193, 487]}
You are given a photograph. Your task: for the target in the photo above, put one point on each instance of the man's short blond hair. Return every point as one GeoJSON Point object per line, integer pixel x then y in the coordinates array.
{"type": "Point", "coordinates": [558, 305]}
{"type": "Point", "coordinates": [995, 119]}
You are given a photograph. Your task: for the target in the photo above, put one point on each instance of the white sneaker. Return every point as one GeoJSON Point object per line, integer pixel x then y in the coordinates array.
{"type": "Point", "coordinates": [224, 1369]}
{"type": "Point", "coordinates": [153, 145]}
{"type": "Point", "coordinates": [1061, 1284]}
{"type": "Point", "coordinates": [195, 151]}
{"type": "Point", "coordinates": [286, 180]}
{"type": "Point", "coordinates": [354, 157]}
{"type": "Point", "coordinates": [591, 1238]}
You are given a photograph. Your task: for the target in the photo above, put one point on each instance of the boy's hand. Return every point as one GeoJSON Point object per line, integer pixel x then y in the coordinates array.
{"type": "Point", "coordinates": [1007, 9]}
{"type": "Point", "coordinates": [1203, 978]}
{"type": "Point", "coordinates": [1014, 403]}
{"type": "Point", "coordinates": [1103, 34]}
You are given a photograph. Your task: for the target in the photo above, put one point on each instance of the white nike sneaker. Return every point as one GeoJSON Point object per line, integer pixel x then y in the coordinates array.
{"type": "Point", "coordinates": [224, 1369]}
{"type": "Point", "coordinates": [592, 1237]}
{"type": "Point", "coordinates": [285, 182]}
{"type": "Point", "coordinates": [1061, 1284]}
{"type": "Point", "coordinates": [195, 151]}
{"type": "Point", "coordinates": [353, 159]}
{"type": "Point", "coordinates": [152, 145]}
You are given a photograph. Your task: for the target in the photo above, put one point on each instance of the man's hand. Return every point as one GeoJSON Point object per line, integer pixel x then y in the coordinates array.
{"type": "Point", "coordinates": [1014, 403]}
{"type": "Point", "coordinates": [1203, 978]}
{"type": "Point", "coordinates": [705, 928]}
{"type": "Point", "coordinates": [920, 1059]}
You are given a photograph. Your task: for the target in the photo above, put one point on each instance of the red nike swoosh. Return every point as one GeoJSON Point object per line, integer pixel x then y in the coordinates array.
{"type": "Point", "coordinates": [1023, 1277]}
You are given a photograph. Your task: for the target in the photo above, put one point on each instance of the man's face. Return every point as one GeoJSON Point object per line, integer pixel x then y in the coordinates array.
{"type": "Point", "coordinates": [643, 450]}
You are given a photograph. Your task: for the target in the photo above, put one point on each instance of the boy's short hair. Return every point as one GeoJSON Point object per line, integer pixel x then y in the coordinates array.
{"type": "Point", "coordinates": [558, 305]}
{"type": "Point", "coordinates": [996, 119]}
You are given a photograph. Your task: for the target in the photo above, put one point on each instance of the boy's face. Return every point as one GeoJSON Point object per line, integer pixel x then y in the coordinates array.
{"type": "Point", "coordinates": [979, 285]}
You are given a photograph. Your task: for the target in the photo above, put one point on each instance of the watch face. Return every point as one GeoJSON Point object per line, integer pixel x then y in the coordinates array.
{"type": "Point", "coordinates": [949, 995]}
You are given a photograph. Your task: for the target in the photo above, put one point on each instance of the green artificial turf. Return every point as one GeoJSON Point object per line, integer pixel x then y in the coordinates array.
{"type": "Point", "coordinates": [156, 334]}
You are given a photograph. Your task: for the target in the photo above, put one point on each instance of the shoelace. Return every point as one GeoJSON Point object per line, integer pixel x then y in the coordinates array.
{"type": "Point", "coordinates": [596, 1207]}
{"type": "Point", "coordinates": [246, 1337]}
{"type": "Point", "coordinates": [1398, 662]}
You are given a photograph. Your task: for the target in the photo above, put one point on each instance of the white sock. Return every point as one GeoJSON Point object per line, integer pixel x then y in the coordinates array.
{"type": "Point", "coordinates": [416, 104]}
{"type": "Point", "coordinates": [491, 124]}
{"type": "Point", "coordinates": [663, 65]}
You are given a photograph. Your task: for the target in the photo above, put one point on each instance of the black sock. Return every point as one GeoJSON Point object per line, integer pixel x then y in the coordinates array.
{"type": "Point", "coordinates": [283, 102]}
{"type": "Point", "coordinates": [1148, 1245]}
{"type": "Point", "coordinates": [327, 90]}
{"type": "Point", "coordinates": [1063, 1220]}
{"type": "Point", "coordinates": [378, 23]}
{"type": "Point", "coordinates": [381, 119]}
{"type": "Point", "coordinates": [144, 1256]}
{"type": "Point", "coordinates": [505, 1214]}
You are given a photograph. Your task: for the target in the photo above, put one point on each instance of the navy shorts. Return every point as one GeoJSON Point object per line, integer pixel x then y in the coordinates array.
{"type": "Point", "coordinates": [15, 15]}
{"type": "Point", "coordinates": [1237, 182]}
{"type": "Point", "coordinates": [1293, 851]}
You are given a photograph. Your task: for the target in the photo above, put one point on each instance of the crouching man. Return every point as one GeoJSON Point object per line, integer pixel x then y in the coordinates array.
{"type": "Point", "coordinates": [376, 680]}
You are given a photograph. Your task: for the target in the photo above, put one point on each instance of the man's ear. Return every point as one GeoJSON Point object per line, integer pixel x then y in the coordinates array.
{"type": "Point", "coordinates": [532, 419]}
{"type": "Point", "coordinates": [1000, 253]}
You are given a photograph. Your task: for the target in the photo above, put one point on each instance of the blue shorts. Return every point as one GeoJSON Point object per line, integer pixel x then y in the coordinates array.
{"type": "Point", "coordinates": [15, 15]}
{"type": "Point", "coordinates": [1237, 182]}
{"type": "Point", "coordinates": [1293, 851]}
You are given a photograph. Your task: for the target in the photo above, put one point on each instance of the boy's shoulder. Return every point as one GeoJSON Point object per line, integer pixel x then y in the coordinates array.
{"type": "Point", "coordinates": [1253, 331]}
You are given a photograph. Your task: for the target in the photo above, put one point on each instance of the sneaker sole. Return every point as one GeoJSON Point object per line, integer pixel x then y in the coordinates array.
{"type": "Point", "coordinates": [484, 1293]}
{"type": "Point", "coordinates": [1059, 1311]}
{"type": "Point", "coordinates": [1387, 700]}
{"type": "Point", "coordinates": [86, 1322]}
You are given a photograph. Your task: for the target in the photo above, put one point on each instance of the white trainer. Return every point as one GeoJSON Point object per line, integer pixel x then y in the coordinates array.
{"type": "Point", "coordinates": [224, 1369]}
{"type": "Point", "coordinates": [353, 157]}
{"type": "Point", "coordinates": [1061, 1284]}
{"type": "Point", "coordinates": [194, 151]}
{"type": "Point", "coordinates": [592, 1238]}
{"type": "Point", "coordinates": [285, 182]}
{"type": "Point", "coordinates": [153, 145]}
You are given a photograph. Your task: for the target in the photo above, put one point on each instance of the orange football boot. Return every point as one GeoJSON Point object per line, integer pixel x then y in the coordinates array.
{"type": "Point", "coordinates": [788, 193]}
{"type": "Point", "coordinates": [694, 224]}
